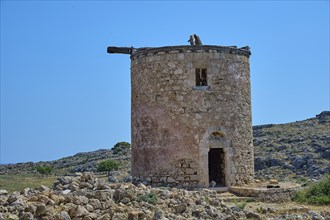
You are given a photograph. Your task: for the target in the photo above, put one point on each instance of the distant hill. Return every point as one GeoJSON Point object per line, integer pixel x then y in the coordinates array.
{"type": "Point", "coordinates": [293, 151]}
{"type": "Point", "coordinates": [298, 150]}
{"type": "Point", "coordinates": [80, 162]}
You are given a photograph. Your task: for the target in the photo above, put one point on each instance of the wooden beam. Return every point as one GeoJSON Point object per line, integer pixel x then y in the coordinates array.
{"type": "Point", "coordinates": [122, 50]}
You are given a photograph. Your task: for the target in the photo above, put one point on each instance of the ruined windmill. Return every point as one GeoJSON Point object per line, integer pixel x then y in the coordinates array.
{"type": "Point", "coordinates": [191, 114]}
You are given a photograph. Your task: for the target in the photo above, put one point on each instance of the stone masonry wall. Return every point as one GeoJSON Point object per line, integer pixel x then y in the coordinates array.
{"type": "Point", "coordinates": [283, 194]}
{"type": "Point", "coordinates": [175, 123]}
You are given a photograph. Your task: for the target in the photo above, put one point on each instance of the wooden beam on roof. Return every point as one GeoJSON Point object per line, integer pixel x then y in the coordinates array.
{"type": "Point", "coordinates": [122, 50]}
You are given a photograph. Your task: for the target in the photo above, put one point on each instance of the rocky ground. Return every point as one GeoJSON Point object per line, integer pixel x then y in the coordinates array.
{"type": "Point", "coordinates": [85, 197]}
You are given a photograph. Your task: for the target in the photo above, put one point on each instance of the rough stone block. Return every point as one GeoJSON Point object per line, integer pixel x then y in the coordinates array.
{"type": "Point", "coordinates": [170, 180]}
{"type": "Point", "coordinates": [190, 171]}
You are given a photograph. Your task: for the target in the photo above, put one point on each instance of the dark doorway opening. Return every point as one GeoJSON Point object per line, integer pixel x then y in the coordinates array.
{"type": "Point", "coordinates": [217, 166]}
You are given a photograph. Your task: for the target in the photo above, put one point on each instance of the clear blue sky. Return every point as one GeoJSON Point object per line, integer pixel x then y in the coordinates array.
{"type": "Point", "coordinates": [61, 93]}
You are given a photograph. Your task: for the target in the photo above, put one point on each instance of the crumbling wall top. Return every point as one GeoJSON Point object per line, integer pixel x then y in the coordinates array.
{"type": "Point", "coordinates": [149, 51]}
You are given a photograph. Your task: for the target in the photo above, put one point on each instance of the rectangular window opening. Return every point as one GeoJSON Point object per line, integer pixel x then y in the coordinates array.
{"type": "Point", "coordinates": [201, 77]}
{"type": "Point", "coordinates": [204, 78]}
{"type": "Point", "coordinates": [198, 76]}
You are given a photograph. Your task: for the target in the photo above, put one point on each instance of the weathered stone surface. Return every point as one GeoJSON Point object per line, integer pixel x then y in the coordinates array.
{"type": "Point", "coordinates": [283, 193]}
{"type": "Point", "coordinates": [12, 198]}
{"type": "Point", "coordinates": [159, 215]}
{"type": "Point", "coordinates": [136, 215]}
{"type": "Point", "coordinates": [273, 181]}
{"type": "Point", "coordinates": [180, 208]}
{"type": "Point", "coordinates": [41, 210]}
{"type": "Point", "coordinates": [3, 192]}
{"type": "Point", "coordinates": [212, 183]}
{"type": "Point", "coordinates": [43, 188]}
{"type": "Point", "coordinates": [63, 215]}
{"type": "Point", "coordinates": [78, 211]}
{"type": "Point", "coordinates": [65, 192]}
{"type": "Point", "coordinates": [95, 203]}
{"type": "Point", "coordinates": [112, 179]}
{"type": "Point", "coordinates": [27, 216]}
{"type": "Point", "coordinates": [64, 180]}
{"type": "Point", "coordinates": [175, 122]}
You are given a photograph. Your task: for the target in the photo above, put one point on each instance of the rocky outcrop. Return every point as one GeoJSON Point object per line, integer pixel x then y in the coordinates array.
{"type": "Point", "coordinates": [293, 151]}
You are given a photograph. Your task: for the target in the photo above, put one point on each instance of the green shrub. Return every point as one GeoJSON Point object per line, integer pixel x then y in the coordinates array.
{"type": "Point", "coordinates": [316, 194]}
{"type": "Point", "coordinates": [107, 166]}
{"type": "Point", "coordinates": [241, 205]}
{"type": "Point", "coordinates": [303, 181]}
{"type": "Point", "coordinates": [259, 209]}
{"type": "Point", "coordinates": [121, 148]}
{"type": "Point", "coordinates": [44, 170]}
{"type": "Point", "coordinates": [149, 198]}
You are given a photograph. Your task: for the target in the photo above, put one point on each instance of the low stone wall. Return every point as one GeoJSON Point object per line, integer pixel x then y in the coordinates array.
{"type": "Point", "coordinates": [263, 194]}
{"type": "Point", "coordinates": [184, 173]}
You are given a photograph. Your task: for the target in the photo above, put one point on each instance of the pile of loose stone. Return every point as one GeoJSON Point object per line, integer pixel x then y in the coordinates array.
{"type": "Point", "coordinates": [85, 197]}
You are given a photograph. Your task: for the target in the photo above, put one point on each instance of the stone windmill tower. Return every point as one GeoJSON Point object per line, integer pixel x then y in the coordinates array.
{"type": "Point", "coordinates": [191, 114]}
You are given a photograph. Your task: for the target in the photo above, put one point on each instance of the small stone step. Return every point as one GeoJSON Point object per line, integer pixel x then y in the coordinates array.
{"type": "Point", "coordinates": [219, 189]}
